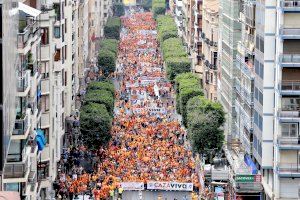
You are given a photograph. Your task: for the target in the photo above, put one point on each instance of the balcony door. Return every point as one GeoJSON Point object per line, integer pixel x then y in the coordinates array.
{"type": "Point", "coordinates": [290, 104]}
{"type": "Point", "coordinates": [290, 130]}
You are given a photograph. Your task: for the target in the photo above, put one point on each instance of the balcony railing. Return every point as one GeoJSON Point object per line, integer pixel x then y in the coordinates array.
{"type": "Point", "coordinates": [23, 37]}
{"type": "Point", "coordinates": [290, 33]}
{"type": "Point", "coordinates": [15, 170]}
{"type": "Point", "coordinates": [21, 125]}
{"type": "Point", "coordinates": [24, 82]}
{"type": "Point", "coordinates": [291, 142]}
{"type": "Point", "coordinates": [289, 87]}
{"type": "Point", "coordinates": [289, 112]}
{"type": "Point", "coordinates": [290, 60]}
{"type": "Point", "coordinates": [290, 5]}
{"type": "Point", "coordinates": [289, 168]}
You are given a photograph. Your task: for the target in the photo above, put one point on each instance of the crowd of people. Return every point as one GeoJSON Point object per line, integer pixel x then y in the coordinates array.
{"type": "Point", "coordinates": [148, 142]}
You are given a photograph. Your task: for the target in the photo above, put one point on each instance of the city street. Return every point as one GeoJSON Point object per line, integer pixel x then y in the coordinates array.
{"type": "Point", "coordinates": [147, 149]}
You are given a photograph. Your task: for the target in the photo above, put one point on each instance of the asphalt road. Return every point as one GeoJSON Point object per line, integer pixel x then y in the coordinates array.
{"type": "Point", "coordinates": [156, 195]}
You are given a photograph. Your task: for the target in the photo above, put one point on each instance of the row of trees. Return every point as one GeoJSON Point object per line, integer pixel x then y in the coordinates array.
{"type": "Point", "coordinates": [158, 7]}
{"type": "Point", "coordinates": [107, 56]}
{"type": "Point", "coordinates": [174, 54]}
{"type": "Point", "coordinates": [96, 114]}
{"type": "Point", "coordinates": [118, 9]}
{"type": "Point", "coordinates": [202, 117]}
{"type": "Point", "coordinates": [112, 28]}
{"type": "Point", "coordinates": [109, 46]}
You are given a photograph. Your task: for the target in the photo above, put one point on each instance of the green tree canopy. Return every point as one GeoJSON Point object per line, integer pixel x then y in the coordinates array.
{"type": "Point", "coordinates": [102, 85]}
{"type": "Point", "coordinates": [118, 9]}
{"type": "Point", "coordinates": [107, 61]}
{"type": "Point", "coordinates": [95, 125]}
{"type": "Point", "coordinates": [200, 105]}
{"type": "Point", "coordinates": [101, 97]}
{"type": "Point", "coordinates": [110, 45]}
{"type": "Point", "coordinates": [204, 134]}
{"type": "Point", "coordinates": [112, 28]}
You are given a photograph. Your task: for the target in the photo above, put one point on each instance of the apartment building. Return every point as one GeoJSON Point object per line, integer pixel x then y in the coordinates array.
{"type": "Point", "coordinates": [40, 71]}
{"type": "Point", "coordinates": [188, 24]}
{"type": "Point", "coordinates": [9, 64]}
{"type": "Point", "coordinates": [261, 94]}
{"type": "Point", "coordinates": [24, 139]}
{"type": "Point", "coordinates": [210, 31]}
{"type": "Point", "coordinates": [283, 38]}
{"type": "Point", "coordinates": [196, 54]}
{"type": "Point", "coordinates": [179, 16]}
{"type": "Point", "coordinates": [229, 35]}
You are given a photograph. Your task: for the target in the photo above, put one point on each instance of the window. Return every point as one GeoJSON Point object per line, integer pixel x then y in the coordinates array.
{"type": "Point", "coordinates": [259, 68]}
{"type": "Point", "coordinates": [56, 32]}
{"type": "Point", "coordinates": [290, 104]}
{"type": "Point", "coordinates": [43, 170]}
{"type": "Point", "coordinates": [258, 95]}
{"type": "Point", "coordinates": [45, 36]}
{"type": "Point", "coordinates": [289, 130]}
{"type": "Point", "coordinates": [45, 103]}
{"type": "Point", "coordinates": [66, 26]}
{"type": "Point", "coordinates": [63, 99]}
{"type": "Point", "coordinates": [46, 132]}
{"type": "Point", "coordinates": [258, 120]}
{"type": "Point", "coordinates": [215, 58]}
{"type": "Point", "coordinates": [14, 187]}
{"type": "Point", "coordinates": [63, 120]}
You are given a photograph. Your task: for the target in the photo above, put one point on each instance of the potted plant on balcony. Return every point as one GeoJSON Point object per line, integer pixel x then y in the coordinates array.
{"type": "Point", "coordinates": [30, 62]}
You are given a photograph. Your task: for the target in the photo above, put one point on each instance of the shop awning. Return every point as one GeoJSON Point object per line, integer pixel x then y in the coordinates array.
{"type": "Point", "coordinates": [29, 10]}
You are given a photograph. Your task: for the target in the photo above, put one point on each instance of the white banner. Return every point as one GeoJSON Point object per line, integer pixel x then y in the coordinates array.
{"type": "Point", "coordinates": [132, 185]}
{"type": "Point", "coordinates": [173, 186]}
{"type": "Point", "coordinates": [157, 110]}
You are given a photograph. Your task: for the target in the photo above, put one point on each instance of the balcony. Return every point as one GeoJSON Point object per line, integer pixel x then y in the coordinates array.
{"type": "Point", "coordinates": [247, 96]}
{"type": "Point", "coordinates": [290, 33]}
{"type": "Point", "coordinates": [289, 143]}
{"type": "Point", "coordinates": [45, 52]}
{"type": "Point", "coordinates": [289, 114]}
{"type": "Point", "coordinates": [17, 170]}
{"type": "Point", "coordinates": [289, 88]}
{"type": "Point", "coordinates": [289, 169]}
{"type": "Point", "coordinates": [247, 145]}
{"type": "Point", "coordinates": [290, 5]}
{"type": "Point", "coordinates": [290, 60]}
{"type": "Point", "coordinates": [24, 84]}
{"type": "Point", "coordinates": [45, 86]}
{"type": "Point", "coordinates": [23, 37]}
{"type": "Point", "coordinates": [45, 120]}
{"type": "Point", "coordinates": [22, 126]}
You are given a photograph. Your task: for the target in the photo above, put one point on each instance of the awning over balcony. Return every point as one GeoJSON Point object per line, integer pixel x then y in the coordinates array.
{"type": "Point", "coordinates": [29, 10]}
{"type": "Point", "coordinates": [40, 139]}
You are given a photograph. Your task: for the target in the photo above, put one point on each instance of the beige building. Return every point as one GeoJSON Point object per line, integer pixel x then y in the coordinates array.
{"type": "Point", "coordinates": [188, 23]}
{"type": "Point", "coordinates": [196, 54]}
{"type": "Point", "coordinates": [210, 29]}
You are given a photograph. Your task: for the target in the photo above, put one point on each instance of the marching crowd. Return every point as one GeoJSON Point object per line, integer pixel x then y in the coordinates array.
{"type": "Point", "coordinates": [147, 140]}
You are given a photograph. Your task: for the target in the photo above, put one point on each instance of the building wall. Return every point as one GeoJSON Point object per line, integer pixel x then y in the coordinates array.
{"type": "Point", "coordinates": [9, 64]}
{"type": "Point", "coordinates": [230, 30]}
{"type": "Point", "coordinates": [209, 48]}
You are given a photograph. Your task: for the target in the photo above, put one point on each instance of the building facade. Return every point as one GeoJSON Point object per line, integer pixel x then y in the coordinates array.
{"type": "Point", "coordinates": [44, 50]}
{"type": "Point", "coordinates": [210, 31]}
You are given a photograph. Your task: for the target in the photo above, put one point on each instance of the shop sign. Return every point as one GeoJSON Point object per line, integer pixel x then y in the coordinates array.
{"type": "Point", "coordinates": [248, 178]}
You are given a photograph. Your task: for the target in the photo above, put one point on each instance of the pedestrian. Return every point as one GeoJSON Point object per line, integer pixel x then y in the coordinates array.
{"type": "Point", "coordinates": [120, 192]}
